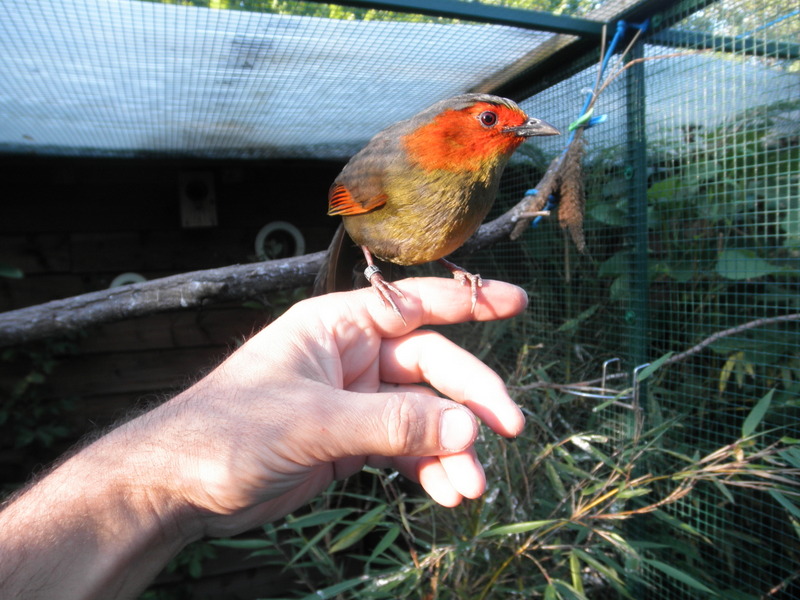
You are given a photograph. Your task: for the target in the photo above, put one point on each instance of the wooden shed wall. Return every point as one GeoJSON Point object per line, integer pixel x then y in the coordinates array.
{"type": "Point", "coordinates": [73, 225]}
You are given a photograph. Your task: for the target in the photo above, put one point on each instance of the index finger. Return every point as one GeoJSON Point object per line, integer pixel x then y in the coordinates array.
{"type": "Point", "coordinates": [440, 301]}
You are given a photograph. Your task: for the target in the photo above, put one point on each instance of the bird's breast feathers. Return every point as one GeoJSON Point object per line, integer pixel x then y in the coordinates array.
{"type": "Point", "coordinates": [423, 219]}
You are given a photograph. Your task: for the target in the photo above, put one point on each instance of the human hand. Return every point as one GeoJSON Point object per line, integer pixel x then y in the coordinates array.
{"type": "Point", "coordinates": [330, 386]}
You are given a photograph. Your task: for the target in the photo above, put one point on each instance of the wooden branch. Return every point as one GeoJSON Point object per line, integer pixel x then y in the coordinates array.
{"type": "Point", "coordinates": [186, 290]}
{"type": "Point", "coordinates": [238, 282]}
{"type": "Point", "coordinates": [732, 331]}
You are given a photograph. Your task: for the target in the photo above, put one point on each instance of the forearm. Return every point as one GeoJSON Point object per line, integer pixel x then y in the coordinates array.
{"type": "Point", "coordinates": [101, 525]}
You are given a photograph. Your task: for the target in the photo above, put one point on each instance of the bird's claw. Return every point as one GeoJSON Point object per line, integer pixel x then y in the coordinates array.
{"type": "Point", "coordinates": [462, 277]}
{"type": "Point", "coordinates": [384, 289]}
{"type": "Point", "coordinates": [475, 282]}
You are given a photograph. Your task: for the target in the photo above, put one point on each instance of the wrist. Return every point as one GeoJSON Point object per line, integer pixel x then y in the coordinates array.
{"type": "Point", "coordinates": [100, 525]}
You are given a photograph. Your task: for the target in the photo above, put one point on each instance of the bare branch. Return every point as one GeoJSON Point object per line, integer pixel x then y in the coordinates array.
{"type": "Point", "coordinates": [588, 386]}
{"type": "Point", "coordinates": [732, 331]}
{"type": "Point", "coordinates": [186, 290]}
{"type": "Point", "coordinates": [241, 282]}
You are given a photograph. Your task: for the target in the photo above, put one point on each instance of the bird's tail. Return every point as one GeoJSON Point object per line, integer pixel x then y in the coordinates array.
{"type": "Point", "coordinates": [343, 267]}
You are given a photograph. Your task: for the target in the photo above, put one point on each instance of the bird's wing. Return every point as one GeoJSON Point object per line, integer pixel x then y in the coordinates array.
{"type": "Point", "coordinates": [361, 186]}
{"type": "Point", "coordinates": [342, 202]}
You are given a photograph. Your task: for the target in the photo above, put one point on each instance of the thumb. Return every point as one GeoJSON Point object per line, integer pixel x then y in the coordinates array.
{"type": "Point", "coordinates": [399, 423]}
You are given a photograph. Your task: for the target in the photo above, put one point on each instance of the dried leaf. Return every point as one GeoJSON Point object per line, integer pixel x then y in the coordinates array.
{"type": "Point", "coordinates": [573, 199]}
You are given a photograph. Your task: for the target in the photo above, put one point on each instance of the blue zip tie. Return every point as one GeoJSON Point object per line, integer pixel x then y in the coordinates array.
{"type": "Point", "coordinates": [599, 119]}
{"type": "Point", "coordinates": [550, 205]}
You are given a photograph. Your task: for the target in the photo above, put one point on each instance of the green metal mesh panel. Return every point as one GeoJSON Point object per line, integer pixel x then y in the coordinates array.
{"type": "Point", "coordinates": [599, 10]}
{"type": "Point", "coordinates": [718, 214]}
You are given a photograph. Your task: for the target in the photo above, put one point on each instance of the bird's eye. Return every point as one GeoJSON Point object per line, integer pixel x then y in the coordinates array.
{"type": "Point", "coordinates": [488, 118]}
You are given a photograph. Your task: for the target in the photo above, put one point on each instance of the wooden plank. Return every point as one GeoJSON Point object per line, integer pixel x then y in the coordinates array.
{"type": "Point", "coordinates": [223, 327]}
{"type": "Point", "coordinates": [36, 289]}
{"type": "Point", "coordinates": [36, 253]}
{"type": "Point", "coordinates": [133, 372]}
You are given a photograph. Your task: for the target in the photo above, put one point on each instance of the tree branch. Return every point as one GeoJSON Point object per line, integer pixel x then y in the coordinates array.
{"type": "Point", "coordinates": [186, 290]}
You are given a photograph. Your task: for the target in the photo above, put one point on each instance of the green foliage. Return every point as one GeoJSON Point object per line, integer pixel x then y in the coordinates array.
{"type": "Point", "coordinates": [30, 416]}
{"type": "Point", "coordinates": [190, 560]}
{"type": "Point", "coordinates": [723, 226]}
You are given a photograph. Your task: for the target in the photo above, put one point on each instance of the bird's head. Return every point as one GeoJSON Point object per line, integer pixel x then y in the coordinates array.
{"type": "Point", "coordinates": [470, 133]}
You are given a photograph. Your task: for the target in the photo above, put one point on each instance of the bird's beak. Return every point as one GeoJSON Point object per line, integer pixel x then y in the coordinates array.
{"type": "Point", "coordinates": [533, 127]}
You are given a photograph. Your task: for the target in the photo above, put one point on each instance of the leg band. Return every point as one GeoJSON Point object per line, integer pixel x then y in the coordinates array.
{"type": "Point", "coordinates": [370, 271]}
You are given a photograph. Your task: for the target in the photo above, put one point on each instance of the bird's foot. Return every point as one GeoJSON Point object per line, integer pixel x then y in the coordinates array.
{"type": "Point", "coordinates": [463, 277]}
{"type": "Point", "coordinates": [384, 289]}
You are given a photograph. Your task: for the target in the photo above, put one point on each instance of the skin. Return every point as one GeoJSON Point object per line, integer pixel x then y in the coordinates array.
{"type": "Point", "coordinates": [330, 386]}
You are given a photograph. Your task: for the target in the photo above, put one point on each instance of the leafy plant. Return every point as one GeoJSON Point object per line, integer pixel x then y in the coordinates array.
{"type": "Point", "coordinates": [26, 414]}
{"type": "Point", "coordinates": [553, 523]}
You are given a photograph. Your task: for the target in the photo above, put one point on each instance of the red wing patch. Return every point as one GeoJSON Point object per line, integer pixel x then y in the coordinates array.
{"type": "Point", "coordinates": [341, 202]}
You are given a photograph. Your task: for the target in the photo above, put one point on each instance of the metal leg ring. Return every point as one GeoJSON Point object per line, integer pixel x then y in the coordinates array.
{"type": "Point", "coordinates": [370, 271]}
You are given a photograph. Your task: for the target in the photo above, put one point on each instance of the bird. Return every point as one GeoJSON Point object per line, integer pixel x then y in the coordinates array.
{"type": "Point", "coordinates": [421, 187]}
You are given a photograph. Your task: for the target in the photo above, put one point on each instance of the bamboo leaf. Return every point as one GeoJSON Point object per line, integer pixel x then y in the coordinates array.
{"type": "Point", "coordinates": [790, 455]}
{"type": "Point", "coordinates": [253, 544]}
{"type": "Point", "coordinates": [517, 528]}
{"type": "Point", "coordinates": [653, 367]}
{"type": "Point", "coordinates": [555, 480]}
{"type": "Point", "coordinates": [790, 506]}
{"type": "Point", "coordinates": [310, 544]}
{"type": "Point", "coordinates": [571, 325]}
{"type": "Point", "coordinates": [626, 493]}
{"type": "Point", "coordinates": [679, 575]}
{"type": "Point", "coordinates": [723, 489]}
{"type": "Point", "coordinates": [333, 590]}
{"type": "Point", "coordinates": [387, 540]}
{"type": "Point", "coordinates": [756, 415]}
{"type": "Point", "coordinates": [611, 571]}
{"type": "Point", "coordinates": [318, 518]}
{"type": "Point", "coordinates": [550, 592]}
{"type": "Point", "coordinates": [363, 525]}
{"type": "Point", "coordinates": [727, 369]}
{"type": "Point", "coordinates": [575, 572]}
{"type": "Point", "coordinates": [565, 590]}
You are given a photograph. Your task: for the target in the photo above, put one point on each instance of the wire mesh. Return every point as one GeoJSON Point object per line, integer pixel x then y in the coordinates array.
{"type": "Point", "coordinates": [722, 278]}
{"type": "Point", "coordinates": [98, 77]}
{"type": "Point", "coordinates": [599, 10]}
{"type": "Point", "coordinates": [692, 221]}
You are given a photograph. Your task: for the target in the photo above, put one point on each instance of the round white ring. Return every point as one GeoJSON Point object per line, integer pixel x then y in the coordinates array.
{"type": "Point", "coordinates": [126, 278]}
{"type": "Point", "coordinates": [269, 228]}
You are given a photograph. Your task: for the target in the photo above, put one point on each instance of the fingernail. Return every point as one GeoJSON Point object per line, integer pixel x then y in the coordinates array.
{"type": "Point", "coordinates": [456, 429]}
